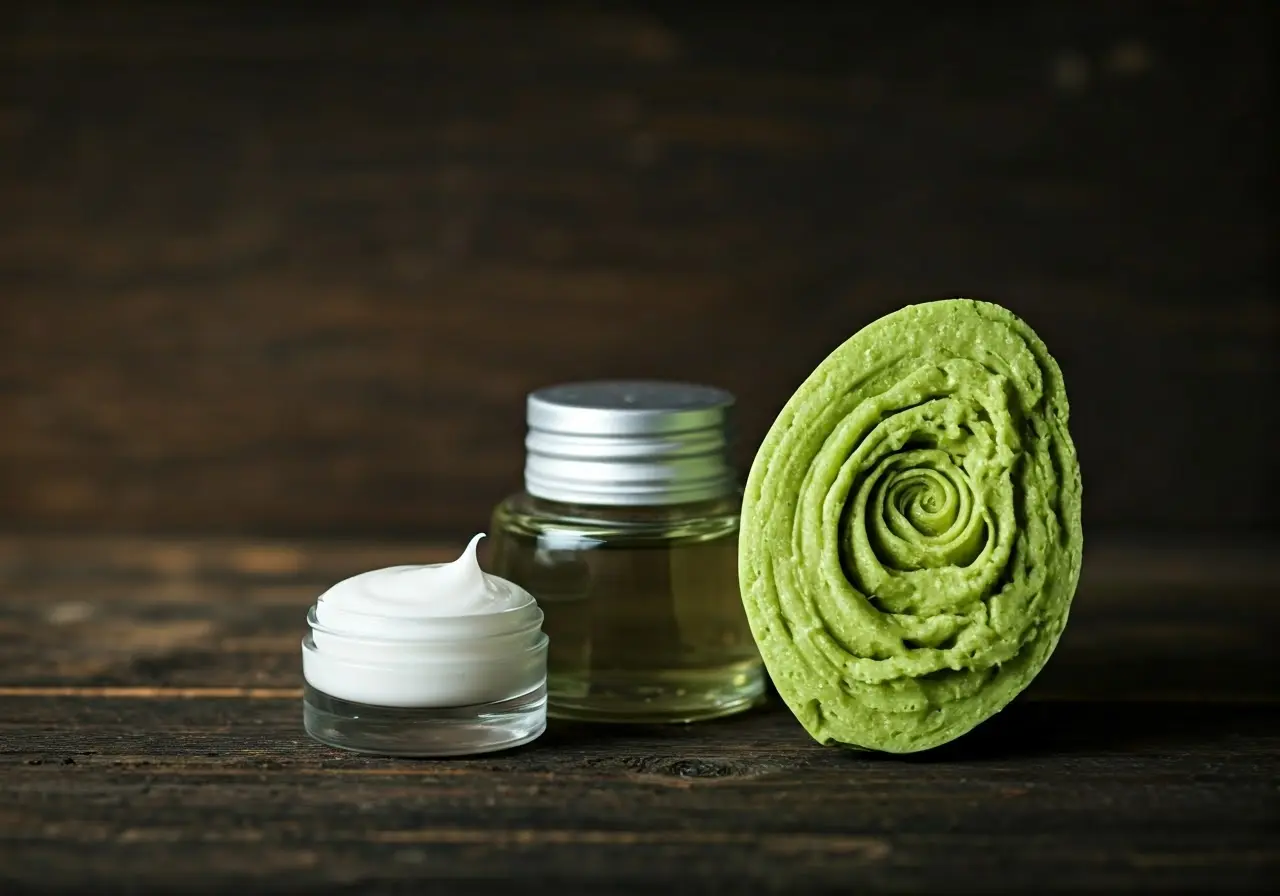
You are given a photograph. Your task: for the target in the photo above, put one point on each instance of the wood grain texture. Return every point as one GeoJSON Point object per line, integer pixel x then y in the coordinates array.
{"type": "Point", "coordinates": [278, 268]}
{"type": "Point", "coordinates": [151, 741]}
{"type": "Point", "coordinates": [206, 795]}
{"type": "Point", "coordinates": [1148, 623]}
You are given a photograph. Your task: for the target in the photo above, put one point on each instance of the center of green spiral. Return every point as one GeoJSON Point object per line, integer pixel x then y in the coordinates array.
{"type": "Point", "coordinates": [920, 502]}
{"type": "Point", "coordinates": [921, 512]}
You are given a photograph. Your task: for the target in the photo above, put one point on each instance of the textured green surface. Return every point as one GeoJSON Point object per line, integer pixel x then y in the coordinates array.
{"type": "Point", "coordinates": [911, 528]}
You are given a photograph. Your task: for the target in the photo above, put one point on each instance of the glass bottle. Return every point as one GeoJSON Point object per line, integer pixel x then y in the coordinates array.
{"type": "Point", "coordinates": [627, 535]}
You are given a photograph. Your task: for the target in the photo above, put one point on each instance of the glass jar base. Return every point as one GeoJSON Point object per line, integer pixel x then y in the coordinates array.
{"type": "Point", "coordinates": [422, 732]}
{"type": "Point", "coordinates": [645, 698]}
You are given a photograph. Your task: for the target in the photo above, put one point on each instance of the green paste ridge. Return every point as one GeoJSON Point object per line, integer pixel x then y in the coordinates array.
{"type": "Point", "coordinates": [911, 533]}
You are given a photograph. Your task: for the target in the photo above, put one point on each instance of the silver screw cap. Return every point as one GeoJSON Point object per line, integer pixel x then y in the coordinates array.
{"type": "Point", "coordinates": [628, 442]}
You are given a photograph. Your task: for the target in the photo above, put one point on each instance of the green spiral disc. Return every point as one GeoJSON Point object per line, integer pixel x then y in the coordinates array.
{"type": "Point", "coordinates": [911, 535]}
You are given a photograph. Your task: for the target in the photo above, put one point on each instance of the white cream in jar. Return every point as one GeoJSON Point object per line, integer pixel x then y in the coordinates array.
{"type": "Point", "coordinates": [446, 639]}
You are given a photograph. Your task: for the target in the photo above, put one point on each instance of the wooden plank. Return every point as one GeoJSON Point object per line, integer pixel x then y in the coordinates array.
{"type": "Point", "coordinates": [223, 792]}
{"type": "Point", "coordinates": [293, 272]}
{"type": "Point", "coordinates": [151, 739]}
{"type": "Point", "coordinates": [1174, 622]}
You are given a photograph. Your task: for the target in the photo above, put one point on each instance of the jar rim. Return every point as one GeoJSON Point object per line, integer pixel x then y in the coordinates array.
{"type": "Point", "coordinates": [309, 645]}
{"type": "Point", "coordinates": [505, 623]}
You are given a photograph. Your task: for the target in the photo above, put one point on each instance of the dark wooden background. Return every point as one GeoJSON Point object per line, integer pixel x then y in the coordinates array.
{"type": "Point", "coordinates": [276, 269]}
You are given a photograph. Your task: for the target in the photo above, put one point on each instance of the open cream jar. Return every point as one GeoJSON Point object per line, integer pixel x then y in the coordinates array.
{"type": "Point", "coordinates": [439, 660]}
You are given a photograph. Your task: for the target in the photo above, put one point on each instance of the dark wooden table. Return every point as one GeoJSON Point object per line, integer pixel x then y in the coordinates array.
{"type": "Point", "coordinates": [150, 740]}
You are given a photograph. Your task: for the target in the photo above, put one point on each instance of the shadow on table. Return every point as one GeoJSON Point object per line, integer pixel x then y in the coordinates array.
{"type": "Point", "coordinates": [1030, 729]}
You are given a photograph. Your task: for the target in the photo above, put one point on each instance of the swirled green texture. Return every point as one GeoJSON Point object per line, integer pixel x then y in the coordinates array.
{"type": "Point", "coordinates": [911, 531]}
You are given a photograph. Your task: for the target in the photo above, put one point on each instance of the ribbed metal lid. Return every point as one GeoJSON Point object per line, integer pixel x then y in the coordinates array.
{"type": "Point", "coordinates": [628, 442]}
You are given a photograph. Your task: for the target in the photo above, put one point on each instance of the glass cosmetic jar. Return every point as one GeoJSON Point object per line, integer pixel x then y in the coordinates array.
{"type": "Point", "coordinates": [626, 533]}
{"type": "Point", "coordinates": [384, 675]}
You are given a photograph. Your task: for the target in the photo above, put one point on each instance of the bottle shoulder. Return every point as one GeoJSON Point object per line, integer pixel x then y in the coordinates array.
{"type": "Point", "coordinates": [524, 514]}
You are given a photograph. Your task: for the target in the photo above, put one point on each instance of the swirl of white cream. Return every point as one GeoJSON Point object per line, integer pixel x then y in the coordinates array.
{"type": "Point", "coordinates": [386, 603]}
